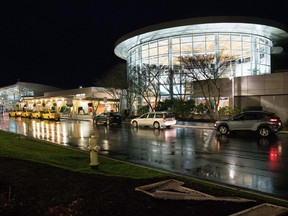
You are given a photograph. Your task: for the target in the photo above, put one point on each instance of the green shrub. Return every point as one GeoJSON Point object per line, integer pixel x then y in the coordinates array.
{"type": "Point", "coordinates": [143, 109]}
{"type": "Point", "coordinates": [228, 111]}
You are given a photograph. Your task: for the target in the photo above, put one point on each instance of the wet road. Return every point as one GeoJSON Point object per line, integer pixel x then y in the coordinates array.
{"type": "Point", "coordinates": [239, 160]}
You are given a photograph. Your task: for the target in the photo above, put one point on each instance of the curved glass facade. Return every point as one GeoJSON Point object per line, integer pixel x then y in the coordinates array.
{"type": "Point", "coordinates": [251, 54]}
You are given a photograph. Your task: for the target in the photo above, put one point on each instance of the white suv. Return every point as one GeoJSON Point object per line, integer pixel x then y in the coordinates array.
{"type": "Point", "coordinates": [156, 120]}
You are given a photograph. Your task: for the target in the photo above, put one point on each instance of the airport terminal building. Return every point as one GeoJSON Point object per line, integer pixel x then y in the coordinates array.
{"type": "Point", "coordinates": [250, 41]}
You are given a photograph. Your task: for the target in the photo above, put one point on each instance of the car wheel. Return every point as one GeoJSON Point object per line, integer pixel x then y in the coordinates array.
{"type": "Point", "coordinates": [264, 131]}
{"type": "Point", "coordinates": [156, 125]}
{"type": "Point", "coordinates": [135, 124]}
{"type": "Point", "coordinates": [223, 129]}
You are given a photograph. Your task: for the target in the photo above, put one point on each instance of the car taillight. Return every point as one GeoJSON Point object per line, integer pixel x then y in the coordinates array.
{"type": "Point", "coordinates": [164, 117]}
{"type": "Point", "coordinates": [273, 120]}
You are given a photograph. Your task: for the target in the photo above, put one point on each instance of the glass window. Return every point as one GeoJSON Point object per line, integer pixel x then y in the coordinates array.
{"type": "Point", "coordinates": [246, 46]}
{"type": "Point", "coordinates": [144, 46]}
{"type": "Point", "coordinates": [159, 115]}
{"type": "Point", "coordinates": [199, 47]}
{"type": "Point", "coordinates": [144, 53]}
{"type": "Point", "coordinates": [154, 61]}
{"type": "Point", "coordinates": [224, 45]}
{"type": "Point", "coordinates": [151, 115]}
{"type": "Point", "coordinates": [186, 39]}
{"type": "Point", "coordinates": [153, 44]}
{"type": "Point", "coordinates": [153, 51]}
{"type": "Point", "coordinates": [163, 50]}
{"type": "Point", "coordinates": [262, 41]}
{"type": "Point", "coordinates": [235, 37]}
{"type": "Point", "coordinates": [242, 47]}
{"type": "Point", "coordinates": [186, 47]}
{"type": "Point", "coordinates": [144, 116]}
{"type": "Point", "coordinates": [210, 46]}
{"type": "Point", "coordinates": [198, 38]}
{"type": "Point", "coordinates": [145, 61]}
{"type": "Point", "coordinates": [176, 60]}
{"type": "Point", "coordinates": [163, 42]}
{"type": "Point", "coordinates": [246, 38]}
{"type": "Point", "coordinates": [210, 37]}
{"type": "Point", "coordinates": [224, 37]}
{"type": "Point", "coordinates": [163, 60]}
{"type": "Point", "coordinates": [236, 45]}
{"type": "Point", "coordinates": [175, 40]}
{"type": "Point", "coordinates": [176, 48]}
{"type": "Point", "coordinates": [236, 54]}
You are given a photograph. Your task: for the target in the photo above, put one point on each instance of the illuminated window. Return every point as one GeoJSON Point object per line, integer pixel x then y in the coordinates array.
{"type": "Point", "coordinates": [199, 47]}
{"type": "Point", "coordinates": [186, 39]}
{"type": "Point", "coordinates": [163, 50]}
{"type": "Point", "coordinates": [197, 38]}
{"type": "Point", "coordinates": [210, 46]}
{"type": "Point", "coordinates": [163, 42]}
{"type": "Point", "coordinates": [251, 54]}
{"type": "Point", "coordinates": [153, 51]}
{"type": "Point", "coordinates": [186, 47]}
{"type": "Point", "coordinates": [176, 48]}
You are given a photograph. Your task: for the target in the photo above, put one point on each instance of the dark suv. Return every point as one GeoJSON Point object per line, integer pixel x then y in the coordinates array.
{"type": "Point", "coordinates": [264, 123]}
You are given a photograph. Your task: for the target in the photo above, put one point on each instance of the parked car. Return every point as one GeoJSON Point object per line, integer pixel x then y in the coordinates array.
{"type": "Point", "coordinates": [50, 115]}
{"type": "Point", "coordinates": [108, 118]}
{"type": "Point", "coordinates": [264, 123]}
{"type": "Point", "coordinates": [36, 114]}
{"type": "Point", "coordinates": [15, 113]}
{"type": "Point", "coordinates": [26, 113]}
{"type": "Point", "coordinates": [156, 120]}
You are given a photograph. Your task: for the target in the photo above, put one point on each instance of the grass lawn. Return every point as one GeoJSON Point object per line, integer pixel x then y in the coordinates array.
{"type": "Point", "coordinates": [21, 147]}
{"type": "Point", "coordinates": [40, 178]}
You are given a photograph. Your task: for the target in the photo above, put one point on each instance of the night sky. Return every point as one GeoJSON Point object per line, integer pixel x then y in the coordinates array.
{"type": "Point", "coordinates": [67, 44]}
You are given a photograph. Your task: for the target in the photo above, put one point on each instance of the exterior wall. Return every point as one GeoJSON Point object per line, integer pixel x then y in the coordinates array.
{"type": "Point", "coordinates": [269, 84]}
{"type": "Point", "coordinates": [269, 91]}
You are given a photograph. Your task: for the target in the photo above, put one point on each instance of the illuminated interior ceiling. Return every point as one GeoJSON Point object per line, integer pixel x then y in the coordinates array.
{"type": "Point", "coordinates": [248, 25]}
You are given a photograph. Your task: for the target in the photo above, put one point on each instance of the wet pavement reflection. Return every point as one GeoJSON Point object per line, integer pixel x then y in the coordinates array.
{"type": "Point", "coordinates": [240, 160]}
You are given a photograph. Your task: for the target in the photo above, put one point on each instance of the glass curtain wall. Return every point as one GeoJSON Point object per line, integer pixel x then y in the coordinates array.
{"type": "Point", "coordinates": [9, 97]}
{"type": "Point", "coordinates": [251, 54]}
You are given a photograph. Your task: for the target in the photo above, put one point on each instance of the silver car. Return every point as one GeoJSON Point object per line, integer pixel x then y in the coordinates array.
{"type": "Point", "coordinates": [156, 120]}
{"type": "Point", "coordinates": [264, 123]}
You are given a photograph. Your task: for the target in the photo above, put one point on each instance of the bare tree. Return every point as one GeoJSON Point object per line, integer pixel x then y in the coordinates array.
{"type": "Point", "coordinates": [206, 72]}
{"type": "Point", "coordinates": [175, 82]}
{"type": "Point", "coordinates": [129, 94]}
{"type": "Point", "coordinates": [145, 82]}
{"type": "Point", "coordinates": [116, 82]}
